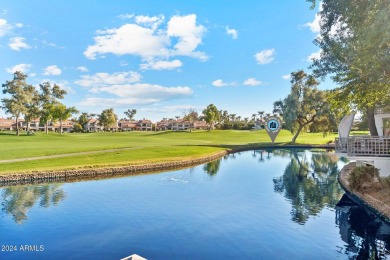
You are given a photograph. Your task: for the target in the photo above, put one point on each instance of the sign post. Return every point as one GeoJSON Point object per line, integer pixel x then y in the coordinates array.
{"type": "Point", "coordinates": [273, 125]}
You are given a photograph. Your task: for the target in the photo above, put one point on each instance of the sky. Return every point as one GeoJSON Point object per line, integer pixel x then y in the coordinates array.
{"type": "Point", "coordinates": [162, 58]}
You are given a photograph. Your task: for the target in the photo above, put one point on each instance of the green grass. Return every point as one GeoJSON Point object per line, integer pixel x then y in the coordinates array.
{"type": "Point", "coordinates": [147, 147]}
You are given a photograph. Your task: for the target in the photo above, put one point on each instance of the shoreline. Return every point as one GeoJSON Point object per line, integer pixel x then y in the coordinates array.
{"type": "Point", "coordinates": [374, 204]}
{"type": "Point", "coordinates": [121, 171]}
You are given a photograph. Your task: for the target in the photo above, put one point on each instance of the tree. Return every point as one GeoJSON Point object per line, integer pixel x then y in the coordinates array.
{"type": "Point", "coordinates": [191, 117]}
{"type": "Point", "coordinates": [355, 46]}
{"type": "Point", "coordinates": [77, 127]}
{"type": "Point", "coordinates": [84, 118]}
{"type": "Point", "coordinates": [32, 107]}
{"type": "Point", "coordinates": [108, 118]}
{"type": "Point", "coordinates": [211, 115]}
{"type": "Point", "coordinates": [61, 113]}
{"type": "Point", "coordinates": [130, 113]}
{"type": "Point", "coordinates": [48, 98]}
{"type": "Point", "coordinates": [303, 105]}
{"type": "Point", "coordinates": [21, 96]}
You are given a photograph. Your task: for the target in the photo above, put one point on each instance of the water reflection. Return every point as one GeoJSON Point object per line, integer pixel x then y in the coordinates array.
{"type": "Point", "coordinates": [212, 168]}
{"type": "Point", "coordinates": [309, 182]}
{"type": "Point", "coordinates": [18, 200]}
{"type": "Point", "coordinates": [367, 236]}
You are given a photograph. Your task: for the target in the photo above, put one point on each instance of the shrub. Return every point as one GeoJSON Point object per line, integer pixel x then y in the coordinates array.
{"type": "Point", "coordinates": [386, 182]}
{"type": "Point", "coordinates": [362, 177]}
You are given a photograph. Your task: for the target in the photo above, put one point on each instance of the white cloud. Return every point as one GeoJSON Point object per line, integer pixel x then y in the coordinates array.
{"type": "Point", "coordinates": [232, 32]}
{"type": "Point", "coordinates": [17, 43]}
{"type": "Point", "coordinates": [219, 83]}
{"type": "Point", "coordinates": [265, 56]}
{"type": "Point", "coordinates": [82, 69]}
{"type": "Point", "coordinates": [4, 27]}
{"type": "Point", "coordinates": [129, 39]}
{"type": "Point", "coordinates": [126, 16]}
{"type": "Point", "coordinates": [252, 82]}
{"type": "Point", "coordinates": [150, 21]}
{"type": "Point", "coordinates": [144, 91]}
{"type": "Point", "coordinates": [286, 77]}
{"type": "Point", "coordinates": [161, 65]}
{"type": "Point", "coordinates": [114, 102]}
{"type": "Point", "coordinates": [52, 70]}
{"type": "Point", "coordinates": [19, 25]}
{"type": "Point", "coordinates": [189, 34]}
{"type": "Point", "coordinates": [146, 40]}
{"type": "Point", "coordinates": [126, 89]}
{"type": "Point", "coordinates": [19, 67]}
{"type": "Point", "coordinates": [315, 24]}
{"type": "Point", "coordinates": [106, 79]}
{"type": "Point", "coordinates": [314, 56]}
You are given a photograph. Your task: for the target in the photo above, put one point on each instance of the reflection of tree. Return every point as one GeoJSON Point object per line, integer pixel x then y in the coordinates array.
{"type": "Point", "coordinates": [18, 200]}
{"type": "Point", "coordinates": [367, 236]}
{"type": "Point", "coordinates": [212, 168]}
{"type": "Point", "coordinates": [309, 183]}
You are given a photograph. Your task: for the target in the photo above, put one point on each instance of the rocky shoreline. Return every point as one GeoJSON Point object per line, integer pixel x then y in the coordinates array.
{"type": "Point", "coordinates": [120, 171]}
{"type": "Point", "coordinates": [98, 173]}
{"type": "Point", "coordinates": [372, 200]}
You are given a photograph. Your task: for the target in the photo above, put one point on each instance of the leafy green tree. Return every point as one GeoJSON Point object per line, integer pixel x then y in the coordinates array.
{"type": "Point", "coordinates": [130, 113]}
{"type": "Point", "coordinates": [303, 105]}
{"type": "Point", "coordinates": [32, 107]}
{"type": "Point", "coordinates": [77, 128]}
{"type": "Point", "coordinates": [21, 96]}
{"type": "Point", "coordinates": [355, 46]}
{"type": "Point", "coordinates": [61, 113]}
{"type": "Point", "coordinates": [212, 115]}
{"type": "Point", "coordinates": [84, 118]}
{"type": "Point", "coordinates": [48, 97]}
{"type": "Point", "coordinates": [108, 118]}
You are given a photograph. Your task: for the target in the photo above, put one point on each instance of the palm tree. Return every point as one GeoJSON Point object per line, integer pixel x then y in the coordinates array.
{"type": "Point", "coordinates": [261, 113]}
{"type": "Point", "coordinates": [254, 117]}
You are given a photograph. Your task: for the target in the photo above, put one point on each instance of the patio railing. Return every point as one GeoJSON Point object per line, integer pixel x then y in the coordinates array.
{"type": "Point", "coordinates": [364, 146]}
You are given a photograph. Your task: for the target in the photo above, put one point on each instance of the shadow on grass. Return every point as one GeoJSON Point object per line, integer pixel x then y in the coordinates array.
{"type": "Point", "coordinates": [254, 146]}
{"type": "Point", "coordinates": [14, 134]}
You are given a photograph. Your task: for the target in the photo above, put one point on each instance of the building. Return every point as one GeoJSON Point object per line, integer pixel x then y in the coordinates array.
{"type": "Point", "coordinates": [366, 149]}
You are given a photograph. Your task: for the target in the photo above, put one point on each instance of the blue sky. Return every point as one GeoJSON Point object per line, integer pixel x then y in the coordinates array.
{"type": "Point", "coordinates": [159, 57]}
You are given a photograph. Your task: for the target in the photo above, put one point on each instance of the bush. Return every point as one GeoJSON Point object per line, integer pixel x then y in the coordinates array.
{"type": "Point", "coordinates": [362, 177]}
{"type": "Point", "coordinates": [386, 182]}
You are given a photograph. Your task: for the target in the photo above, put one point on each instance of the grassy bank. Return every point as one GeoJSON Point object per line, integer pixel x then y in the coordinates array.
{"type": "Point", "coordinates": [133, 147]}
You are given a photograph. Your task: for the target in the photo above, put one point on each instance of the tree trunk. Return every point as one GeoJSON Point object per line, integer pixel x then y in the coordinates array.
{"type": "Point", "coordinates": [60, 127]}
{"type": "Point", "coordinates": [296, 134]}
{"type": "Point", "coordinates": [371, 122]}
{"type": "Point", "coordinates": [17, 126]}
{"type": "Point", "coordinates": [47, 127]}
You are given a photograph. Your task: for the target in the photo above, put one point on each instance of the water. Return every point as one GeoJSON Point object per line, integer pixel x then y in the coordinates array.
{"type": "Point", "coordinates": [281, 204]}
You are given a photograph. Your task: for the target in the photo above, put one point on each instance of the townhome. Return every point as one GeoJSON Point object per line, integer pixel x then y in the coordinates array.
{"type": "Point", "coordinates": [67, 126]}
{"type": "Point", "coordinates": [126, 125]}
{"type": "Point", "coordinates": [7, 124]}
{"type": "Point", "coordinates": [164, 125]}
{"type": "Point", "coordinates": [93, 125]}
{"type": "Point", "coordinates": [181, 125]}
{"type": "Point", "coordinates": [200, 125]}
{"type": "Point", "coordinates": [144, 125]}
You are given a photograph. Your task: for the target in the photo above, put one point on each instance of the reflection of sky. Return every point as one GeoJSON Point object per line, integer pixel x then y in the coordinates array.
{"type": "Point", "coordinates": [179, 215]}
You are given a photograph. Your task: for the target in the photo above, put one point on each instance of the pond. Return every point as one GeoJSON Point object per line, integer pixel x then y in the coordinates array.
{"type": "Point", "coordinates": [283, 204]}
